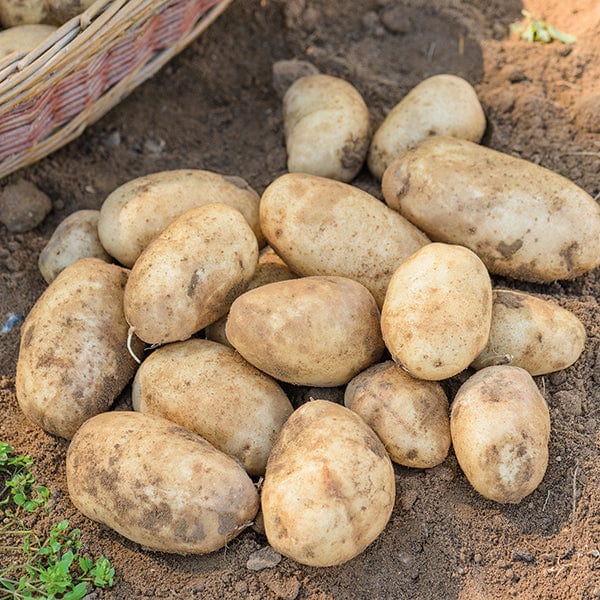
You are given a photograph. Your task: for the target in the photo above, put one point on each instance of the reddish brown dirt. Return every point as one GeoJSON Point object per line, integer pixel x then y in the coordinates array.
{"type": "Point", "coordinates": [213, 107]}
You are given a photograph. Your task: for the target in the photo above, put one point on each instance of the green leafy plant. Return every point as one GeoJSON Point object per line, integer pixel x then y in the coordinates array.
{"type": "Point", "coordinates": [532, 29]}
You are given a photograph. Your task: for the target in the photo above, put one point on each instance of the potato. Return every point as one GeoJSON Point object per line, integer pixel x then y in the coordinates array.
{"type": "Point", "coordinates": [23, 38]}
{"type": "Point", "coordinates": [211, 390]}
{"type": "Point", "coordinates": [531, 333]}
{"type": "Point", "coordinates": [409, 415]}
{"type": "Point", "coordinates": [73, 360]}
{"type": "Point", "coordinates": [323, 227]}
{"type": "Point", "coordinates": [22, 12]}
{"type": "Point", "coordinates": [317, 331]}
{"type": "Point", "coordinates": [329, 489]}
{"type": "Point", "coordinates": [136, 212]}
{"type": "Point", "coordinates": [60, 11]}
{"type": "Point", "coordinates": [522, 220]}
{"type": "Point", "coordinates": [190, 274]}
{"type": "Point", "coordinates": [441, 105]}
{"type": "Point", "coordinates": [327, 129]}
{"type": "Point", "coordinates": [158, 484]}
{"type": "Point", "coordinates": [75, 237]}
{"type": "Point", "coordinates": [437, 312]}
{"type": "Point", "coordinates": [500, 428]}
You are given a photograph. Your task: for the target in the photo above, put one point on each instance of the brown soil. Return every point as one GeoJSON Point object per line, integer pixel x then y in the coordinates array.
{"type": "Point", "coordinates": [214, 107]}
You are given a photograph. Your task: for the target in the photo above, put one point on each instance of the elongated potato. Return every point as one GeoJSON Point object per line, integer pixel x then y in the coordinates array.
{"type": "Point", "coordinates": [351, 233]}
{"type": "Point", "coordinates": [139, 210]}
{"type": "Point", "coordinates": [23, 38]}
{"type": "Point", "coordinates": [14, 13]}
{"type": "Point", "coordinates": [327, 129]}
{"type": "Point", "coordinates": [329, 489]}
{"type": "Point", "coordinates": [211, 390]}
{"type": "Point", "coordinates": [522, 220]}
{"type": "Point", "coordinates": [190, 274]}
{"type": "Point", "coordinates": [73, 360]}
{"type": "Point", "coordinates": [500, 428]}
{"type": "Point", "coordinates": [409, 415]}
{"type": "Point", "coordinates": [318, 331]}
{"type": "Point", "coordinates": [439, 105]}
{"type": "Point", "coordinates": [437, 311]}
{"type": "Point", "coordinates": [531, 333]}
{"type": "Point", "coordinates": [158, 484]}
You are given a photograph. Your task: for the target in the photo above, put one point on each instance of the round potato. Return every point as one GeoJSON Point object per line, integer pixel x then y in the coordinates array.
{"type": "Point", "coordinates": [410, 416]}
{"type": "Point", "coordinates": [327, 129]}
{"type": "Point", "coordinates": [158, 484]}
{"type": "Point", "coordinates": [75, 237]}
{"type": "Point", "coordinates": [23, 38]}
{"type": "Point", "coordinates": [190, 274]}
{"type": "Point", "coordinates": [531, 333]}
{"type": "Point", "coordinates": [139, 210]}
{"type": "Point", "coordinates": [318, 331]}
{"type": "Point", "coordinates": [440, 105]}
{"type": "Point", "coordinates": [437, 312]}
{"type": "Point", "coordinates": [73, 360]}
{"type": "Point", "coordinates": [211, 390]}
{"type": "Point", "coordinates": [60, 11]}
{"type": "Point", "coordinates": [500, 428]}
{"type": "Point", "coordinates": [329, 489]}
{"type": "Point", "coordinates": [22, 12]}
{"type": "Point", "coordinates": [352, 234]}
{"type": "Point", "coordinates": [522, 220]}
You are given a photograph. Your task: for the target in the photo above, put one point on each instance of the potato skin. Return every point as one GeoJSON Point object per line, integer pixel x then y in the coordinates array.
{"type": "Point", "coordinates": [318, 331]}
{"type": "Point", "coordinates": [540, 336]}
{"type": "Point", "coordinates": [352, 234]}
{"type": "Point", "coordinates": [138, 211]}
{"type": "Point", "coordinates": [500, 427]}
{"type": "Point", "coordinates": [410, 416]}
{"type": "Point", "coordinates": [60, 11]}
{"type": "Point", "coordinates": [211, 390]}
{"type": "Point", "coordinates": [521, 219]}
{"type": "Point", "coordinates": [190, 274]}
{"type": "Point", "coordinates": [22, 12]}
{"type": "Point", "coordinates": [23, 38]}
{"type": "Point", "coordinates": [329, 489]}
{"type": "Point", "coordinates": [158, 484]}
{"type": "Point", "coordinates": [73, 359]}
{"type": "Point", "coordinates": [440, 105]}
{"type": "Point", "coordinates": [437, 311]}
{"type": "Point", "coordinates": [327, 128]}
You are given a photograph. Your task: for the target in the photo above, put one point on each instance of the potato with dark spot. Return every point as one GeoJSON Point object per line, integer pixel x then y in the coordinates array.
{"type": "Point", "coordinates": [531, 333]}
{"type": "Point", "coordinates": [317, 331]}
{"type": "Point", "coordinates": [437, 311]}
{"type": "Point", "coordinates": [73, 360]}
{"type": "Point", "coordinates": [522, 220]}
{"type": "Point", "coordinates": [329, 489]}
{"type": "Point", "coordinates": [211, 390]}
{"type": "Point", "coordinates": [22, 12]}
{"type": "Point", "coordinates": [327, 130]}
{"type": "Point", "coordinates": [352, 234]}
{"type": "Point", "coordinates": [158, 484]}
{"type": "Point", "coordinates": [190, 274]}
{"type": "Point", "coordinates": [409, 415]}
{"type": "Point", "coordinates": [500, 427]}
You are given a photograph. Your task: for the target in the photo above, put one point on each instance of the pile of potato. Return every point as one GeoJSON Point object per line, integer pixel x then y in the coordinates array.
{"type": "Point", "coordinates": [387, 299]}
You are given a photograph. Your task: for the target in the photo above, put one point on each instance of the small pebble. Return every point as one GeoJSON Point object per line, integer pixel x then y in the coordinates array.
{"type": "Point", "coordinates": [513, 73]}
{"type": "Point", "coordinates": [394, 19]}
{"type": "Point", "coordinates": [523, 556]}
{"type": "Point", "coordinates": [13, 320]}
{"type": "Point", "coordinates": [23, 206]}
{"type": "Point", "coordinates": [154, 147]}
{"type": "Point", "coordinates": [587, 113]}
{"type": "Point", "coordinates": [263, 559]}
{"type": "Point", "coordinates": [112, 140]}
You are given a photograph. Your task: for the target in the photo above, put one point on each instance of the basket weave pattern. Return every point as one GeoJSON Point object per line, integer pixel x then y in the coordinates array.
{"type": "Point", "coordinates": [50, 95]}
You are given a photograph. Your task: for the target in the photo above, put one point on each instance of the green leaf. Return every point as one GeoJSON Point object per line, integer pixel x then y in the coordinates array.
{"type": "Point", "coordinates": [561, 36]}
{"type": "Point", "coordinates": [78, 592]}
{"type": "Point", "coordinates": [85, 564]}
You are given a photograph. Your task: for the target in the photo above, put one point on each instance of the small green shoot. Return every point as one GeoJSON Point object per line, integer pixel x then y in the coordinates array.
{"type": "Point", "coordinates": [532, 29]}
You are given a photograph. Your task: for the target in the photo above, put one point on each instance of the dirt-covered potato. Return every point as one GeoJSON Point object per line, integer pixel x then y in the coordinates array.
{"type": "Point", "coordinates": [327, 129]}
{"type": "Point", "coordinates": [440, 105]}
{"type": "Point", "coordinates": [139, 210]}
{"type": "Point", "coordinates": [531, 333]}
{"type": "Point", "coordinates": [190, 274]}
{"type": "Point", "coordinates": [329, 489]}
{"type": "Point", "coordinates": [521, 219]}
{"type": "Point", "coordinates": [324, 227]}
{"type": "Point", "coordinates": [73, 360]}
{"type": "Point", "coordinates": [211, 390]}
{"type": "Point", "coordinates": [318, 331]}
{"type": "Point", "coordinates": [22, 12]}
{"type": "Point", "coordinates": [60, 11]}
{"type": "Point", "coordinates": [158, 484]}
{"type": "Point", "coordinates": [75, 237]}
{"type": "Point", "coordinates": [410, 416]}
{"type": "Point", "coordinates": [23, 38]}
{"type": "Point", "coordinates": [437, 311]}
{"type": "Point", "coordinates": [500, 426]}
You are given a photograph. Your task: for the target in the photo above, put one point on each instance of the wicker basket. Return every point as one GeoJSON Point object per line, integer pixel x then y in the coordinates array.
{"type": "Point", "coordinates": [51, 94]}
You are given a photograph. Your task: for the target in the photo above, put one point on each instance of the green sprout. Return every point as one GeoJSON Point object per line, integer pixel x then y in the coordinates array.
{"type": "Point", "coordinates": [532, 29]}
